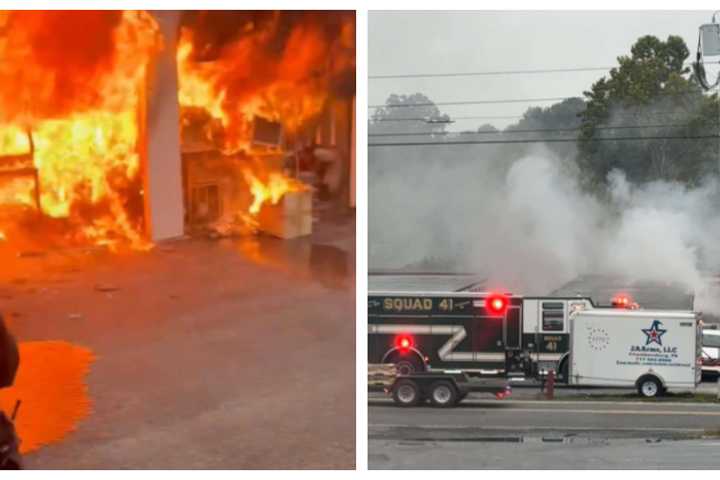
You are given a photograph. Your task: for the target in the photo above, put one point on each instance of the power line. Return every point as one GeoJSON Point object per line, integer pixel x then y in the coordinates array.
{"type": "Point", "coordinates": [546, 140]}
{"type": "Point", "coordinates": [497, 72]}
{"type": "Point", "coordinates": [471, 102]}
{"type": "Point", "coordinates": [499, 117]}
{"type": "Point", "coordinates": [488, 73]}
{"type": "Point", "coordinates": [430, 120]}
{"type": "Point", "coordinates": [530, 130]}
{"type": "Point", "coordinates": [511, 100]}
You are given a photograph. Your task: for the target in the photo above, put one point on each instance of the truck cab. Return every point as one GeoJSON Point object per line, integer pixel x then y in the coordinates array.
{"type": "Point", "coordinates": [546, 327]}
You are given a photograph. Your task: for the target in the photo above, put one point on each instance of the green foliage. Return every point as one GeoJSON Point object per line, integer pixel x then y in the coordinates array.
{"type": "Point", "coordinates": [422, 116]}
{"type": "Point", "coordinates": [556, 121]}
{"type": "Point", "coordinates": [649, 87]}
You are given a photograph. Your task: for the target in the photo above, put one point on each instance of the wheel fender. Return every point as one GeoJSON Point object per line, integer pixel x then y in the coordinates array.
{"type": "Point", "coordinates": [651, 373]}
{"type": "Point", "coordinates": [564, 358]}
{"type": "Point", "coordinates": [396, 351]}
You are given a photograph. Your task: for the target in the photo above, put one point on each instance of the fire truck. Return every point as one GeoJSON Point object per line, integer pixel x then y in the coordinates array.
{"type": "Point", "coordinates": [445, 333]}
{"type": "Point", "coordinates": [480, 333]}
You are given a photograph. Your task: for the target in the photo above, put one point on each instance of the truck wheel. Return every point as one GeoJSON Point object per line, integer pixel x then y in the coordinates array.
{"type": "Point", "coordinates": [649, 387]}
{"type": "Point", "coordinates": [443, 394]}
{"type": "Point", "coordinates": [406, 393]}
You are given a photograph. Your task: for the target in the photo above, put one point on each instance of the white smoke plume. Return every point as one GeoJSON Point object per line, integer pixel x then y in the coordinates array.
{"type": "Point", "coordinates": [528, 227]}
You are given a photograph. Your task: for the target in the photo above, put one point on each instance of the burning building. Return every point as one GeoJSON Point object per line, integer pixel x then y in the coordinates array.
{"type": "Point", "coordinates": [263, 95]}
{"type": "Point", "coordinates": [124, 128]}
{"type": "Point", "coordinates": [69, 163]}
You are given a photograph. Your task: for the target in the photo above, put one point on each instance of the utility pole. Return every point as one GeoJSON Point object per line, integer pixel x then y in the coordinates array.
{"type": "Point", "coordinates": [709, 46]}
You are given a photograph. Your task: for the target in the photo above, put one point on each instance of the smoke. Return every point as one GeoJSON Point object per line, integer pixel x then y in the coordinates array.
{"type": "Point", "coordinates": [527, 226]}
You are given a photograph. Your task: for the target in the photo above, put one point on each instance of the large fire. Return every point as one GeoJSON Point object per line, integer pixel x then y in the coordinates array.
{"type": "Point", "coordinates": [72, 83]}
{"type": "Point", "coordinates": [272, 69]}
{"type": "Point", "coordinates": [73, 87]}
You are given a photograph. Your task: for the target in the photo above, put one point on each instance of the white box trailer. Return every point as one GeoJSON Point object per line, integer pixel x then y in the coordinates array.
{"type": "Point", "coordinates": [651, 350]}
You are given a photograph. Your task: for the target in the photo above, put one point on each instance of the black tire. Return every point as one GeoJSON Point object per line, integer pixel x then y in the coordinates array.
{"type": "Point", "coordinates": [443, 394]}
{"type": "Point", "coordinates": [406, 393]}
{"type": "Point", "coordinates": [649, 386]}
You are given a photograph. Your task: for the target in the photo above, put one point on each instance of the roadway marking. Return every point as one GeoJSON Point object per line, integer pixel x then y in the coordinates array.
{"type": "Point", "coordinates": [540, 427]}
{"type": "Point", "coordinates": [620, 412]}
{"type": "Point", "coordinates": [609, 412]}
{"type": "Point", "coordinates": [494, 403]}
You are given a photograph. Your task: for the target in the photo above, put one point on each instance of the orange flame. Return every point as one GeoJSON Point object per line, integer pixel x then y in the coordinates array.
{"type": "Point", "coordinates": [276, 67]}
{"type": "Point", "coordinates": [272, 189]}
{"type": "Point", "coordinates": [247, 80]}
{"type": "Point", "coordinates": [74, 80]}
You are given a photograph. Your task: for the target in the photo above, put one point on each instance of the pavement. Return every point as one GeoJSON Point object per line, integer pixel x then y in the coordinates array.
{"type": "Point", "coordinates": [231, 353]}
{"type": "Point", "coordinates": [536, 454]}
{"type": "Point", "coordinates": [572, 432]}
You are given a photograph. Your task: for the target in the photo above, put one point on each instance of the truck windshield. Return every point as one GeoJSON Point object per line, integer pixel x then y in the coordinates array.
{"type": "Point", "coordinates": [711, 338]}
{"type": "Point", "coordinates": [553, 316]}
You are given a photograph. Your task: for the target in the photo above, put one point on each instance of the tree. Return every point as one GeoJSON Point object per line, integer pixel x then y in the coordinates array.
{"type": "Point", "coordinates": [487, 128]}
{"type": "Point", "coordinates": [408, 114]}
{"type": "Point", "coordinates": [559, 120]}
{"type": "Point", "coordinates": [649, 87]}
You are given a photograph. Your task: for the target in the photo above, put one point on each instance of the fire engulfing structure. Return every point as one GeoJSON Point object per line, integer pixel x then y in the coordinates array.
{"type": "Point", "coordinates": [265, 107]}
{"type": "Point", "coordinates": [68, 127]}
{"type": "Point", "coordinates": [256, 91]}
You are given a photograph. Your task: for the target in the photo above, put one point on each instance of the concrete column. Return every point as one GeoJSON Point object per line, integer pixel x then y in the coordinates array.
{"type": "Point", "coordinates": [160, 137]}
{"type": "Point", "coordinates": [352, 157]}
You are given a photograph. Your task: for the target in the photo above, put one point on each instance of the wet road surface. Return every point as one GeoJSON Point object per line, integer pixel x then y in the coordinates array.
{"type": "Point", "coordinates": [204, 350]}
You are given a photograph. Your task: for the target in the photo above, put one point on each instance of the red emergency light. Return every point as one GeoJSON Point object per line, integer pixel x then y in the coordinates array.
{"type": "Point", "coordinates": [496, 304]}
{"type": "Point", "coordinates": [624, 301]}
{"type": "Point", "coordinates": [403, 342]}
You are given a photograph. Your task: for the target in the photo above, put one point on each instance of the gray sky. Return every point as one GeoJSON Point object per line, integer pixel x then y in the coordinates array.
{"type": "Point", "coordinates": [440, 42]}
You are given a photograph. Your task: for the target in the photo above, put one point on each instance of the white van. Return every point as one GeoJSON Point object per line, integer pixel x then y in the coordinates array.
{"type": "Point", "coordinates": [651, 350]}
{"type": "Point", "coordinates": [711, 353]}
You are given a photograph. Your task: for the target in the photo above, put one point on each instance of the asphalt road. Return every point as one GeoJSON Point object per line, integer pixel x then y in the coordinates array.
{"type": "Point", "coordinates": [235, 353]}
{"type": "Point", "coordinates": [534, 454]}
{"type": "Point", "coordinates": [545, 435]}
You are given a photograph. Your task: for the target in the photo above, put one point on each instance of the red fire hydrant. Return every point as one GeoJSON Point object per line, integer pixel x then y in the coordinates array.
{"type": "Point", "coordinates": [550, 385]}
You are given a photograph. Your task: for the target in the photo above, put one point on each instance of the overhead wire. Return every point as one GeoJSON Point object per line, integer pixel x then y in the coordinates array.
{"type": "Point", "coordinates": [542, 140]}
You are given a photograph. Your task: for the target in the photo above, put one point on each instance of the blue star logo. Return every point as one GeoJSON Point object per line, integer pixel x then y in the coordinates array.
{"type": "Point", "coordinates": [654, 333]}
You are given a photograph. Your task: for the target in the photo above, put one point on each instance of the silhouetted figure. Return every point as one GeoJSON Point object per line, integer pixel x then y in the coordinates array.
{"type": "Point", "coordinates": [10, 458]}
{"type": "Point", "coordinates": [9, 356]}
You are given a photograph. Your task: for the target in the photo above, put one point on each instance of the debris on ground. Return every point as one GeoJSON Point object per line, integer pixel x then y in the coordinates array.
{"type": "Point", "coordinates": [106, 287]}
{"type": "Point", "coordinates": [234, 226]}
{"type": "Point", "coordinates": [31, 254]}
